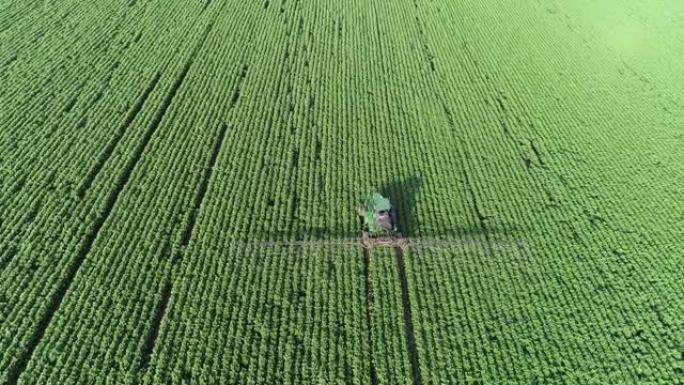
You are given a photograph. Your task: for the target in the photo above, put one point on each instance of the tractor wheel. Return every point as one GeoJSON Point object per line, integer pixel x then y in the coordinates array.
{"type": "Point", "coordinates": [365, 240]}
{"type": "Point", "coordinates": [393, 218]}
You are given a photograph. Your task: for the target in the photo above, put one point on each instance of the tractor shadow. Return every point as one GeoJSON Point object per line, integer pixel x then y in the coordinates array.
{"type": "Point", "coordinates": [402, 194]}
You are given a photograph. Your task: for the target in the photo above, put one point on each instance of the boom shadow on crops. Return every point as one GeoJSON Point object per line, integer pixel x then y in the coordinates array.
{"type": "Point", "coordinates": [403, 192]}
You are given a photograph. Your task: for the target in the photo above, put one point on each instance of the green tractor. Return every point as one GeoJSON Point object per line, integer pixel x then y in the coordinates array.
{"type": "Point", "coordinates": [378, 220]}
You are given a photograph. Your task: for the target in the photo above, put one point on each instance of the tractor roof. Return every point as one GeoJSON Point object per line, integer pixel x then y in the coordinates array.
{"type": "Point", "coordinates": [377, 202]}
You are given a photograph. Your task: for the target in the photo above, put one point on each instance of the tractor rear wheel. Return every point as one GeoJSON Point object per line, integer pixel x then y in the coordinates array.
{"type": "Point", "coordinates": [365, 239]}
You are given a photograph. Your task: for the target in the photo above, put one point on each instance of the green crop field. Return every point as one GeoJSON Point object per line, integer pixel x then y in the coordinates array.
{"type": "Point", "coordinates": [179, 183]}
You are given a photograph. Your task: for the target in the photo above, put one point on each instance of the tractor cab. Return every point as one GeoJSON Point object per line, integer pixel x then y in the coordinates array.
{"type": "Point", "coordinates": [376, 216]}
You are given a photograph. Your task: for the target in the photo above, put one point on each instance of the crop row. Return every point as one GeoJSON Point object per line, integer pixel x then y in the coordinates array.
{"type": "Point", "coordinates": [576, 301]}
{"type": "Point", "coordinates": [250, 314]}
{"type": "Point", "coordinates": [64, 232]}
{"type": "Point", "coordinates": [124, 258]}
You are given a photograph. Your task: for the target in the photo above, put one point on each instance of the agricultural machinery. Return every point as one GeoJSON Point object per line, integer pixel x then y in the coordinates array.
{"type": "Point", "coordinates": [378, 222]}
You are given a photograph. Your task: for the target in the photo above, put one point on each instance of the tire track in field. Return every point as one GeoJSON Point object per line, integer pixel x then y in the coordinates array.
{"type": "Point", "coordinates": [204, 185]}
{"type": "Point", "coordinates": [56, 298]}
{"type": "Point", "coordinates": [81, 113]}
{"type": "Point", "coordinates": [429, 56]}
{"type": "Point", "coordinates": [106, 154]}
{"type": "Point", "coordinates": [159, 314]}
{"type": "Point", "coordinates": [109, 149]}
{"type": "Point", "coordinates": [406, 300]}
{"type": "Point", "coordinates": [167, 288]}
{"type": "Point", "coordinates": [408, 317]}
{"type": "Point", "coordinates": [186, 235]}
{"type": "Point", "coordinates": [369, 316]}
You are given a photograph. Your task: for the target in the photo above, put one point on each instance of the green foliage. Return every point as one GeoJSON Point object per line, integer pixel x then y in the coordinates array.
{"type": "Point", "coordinates": [150, 149]}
